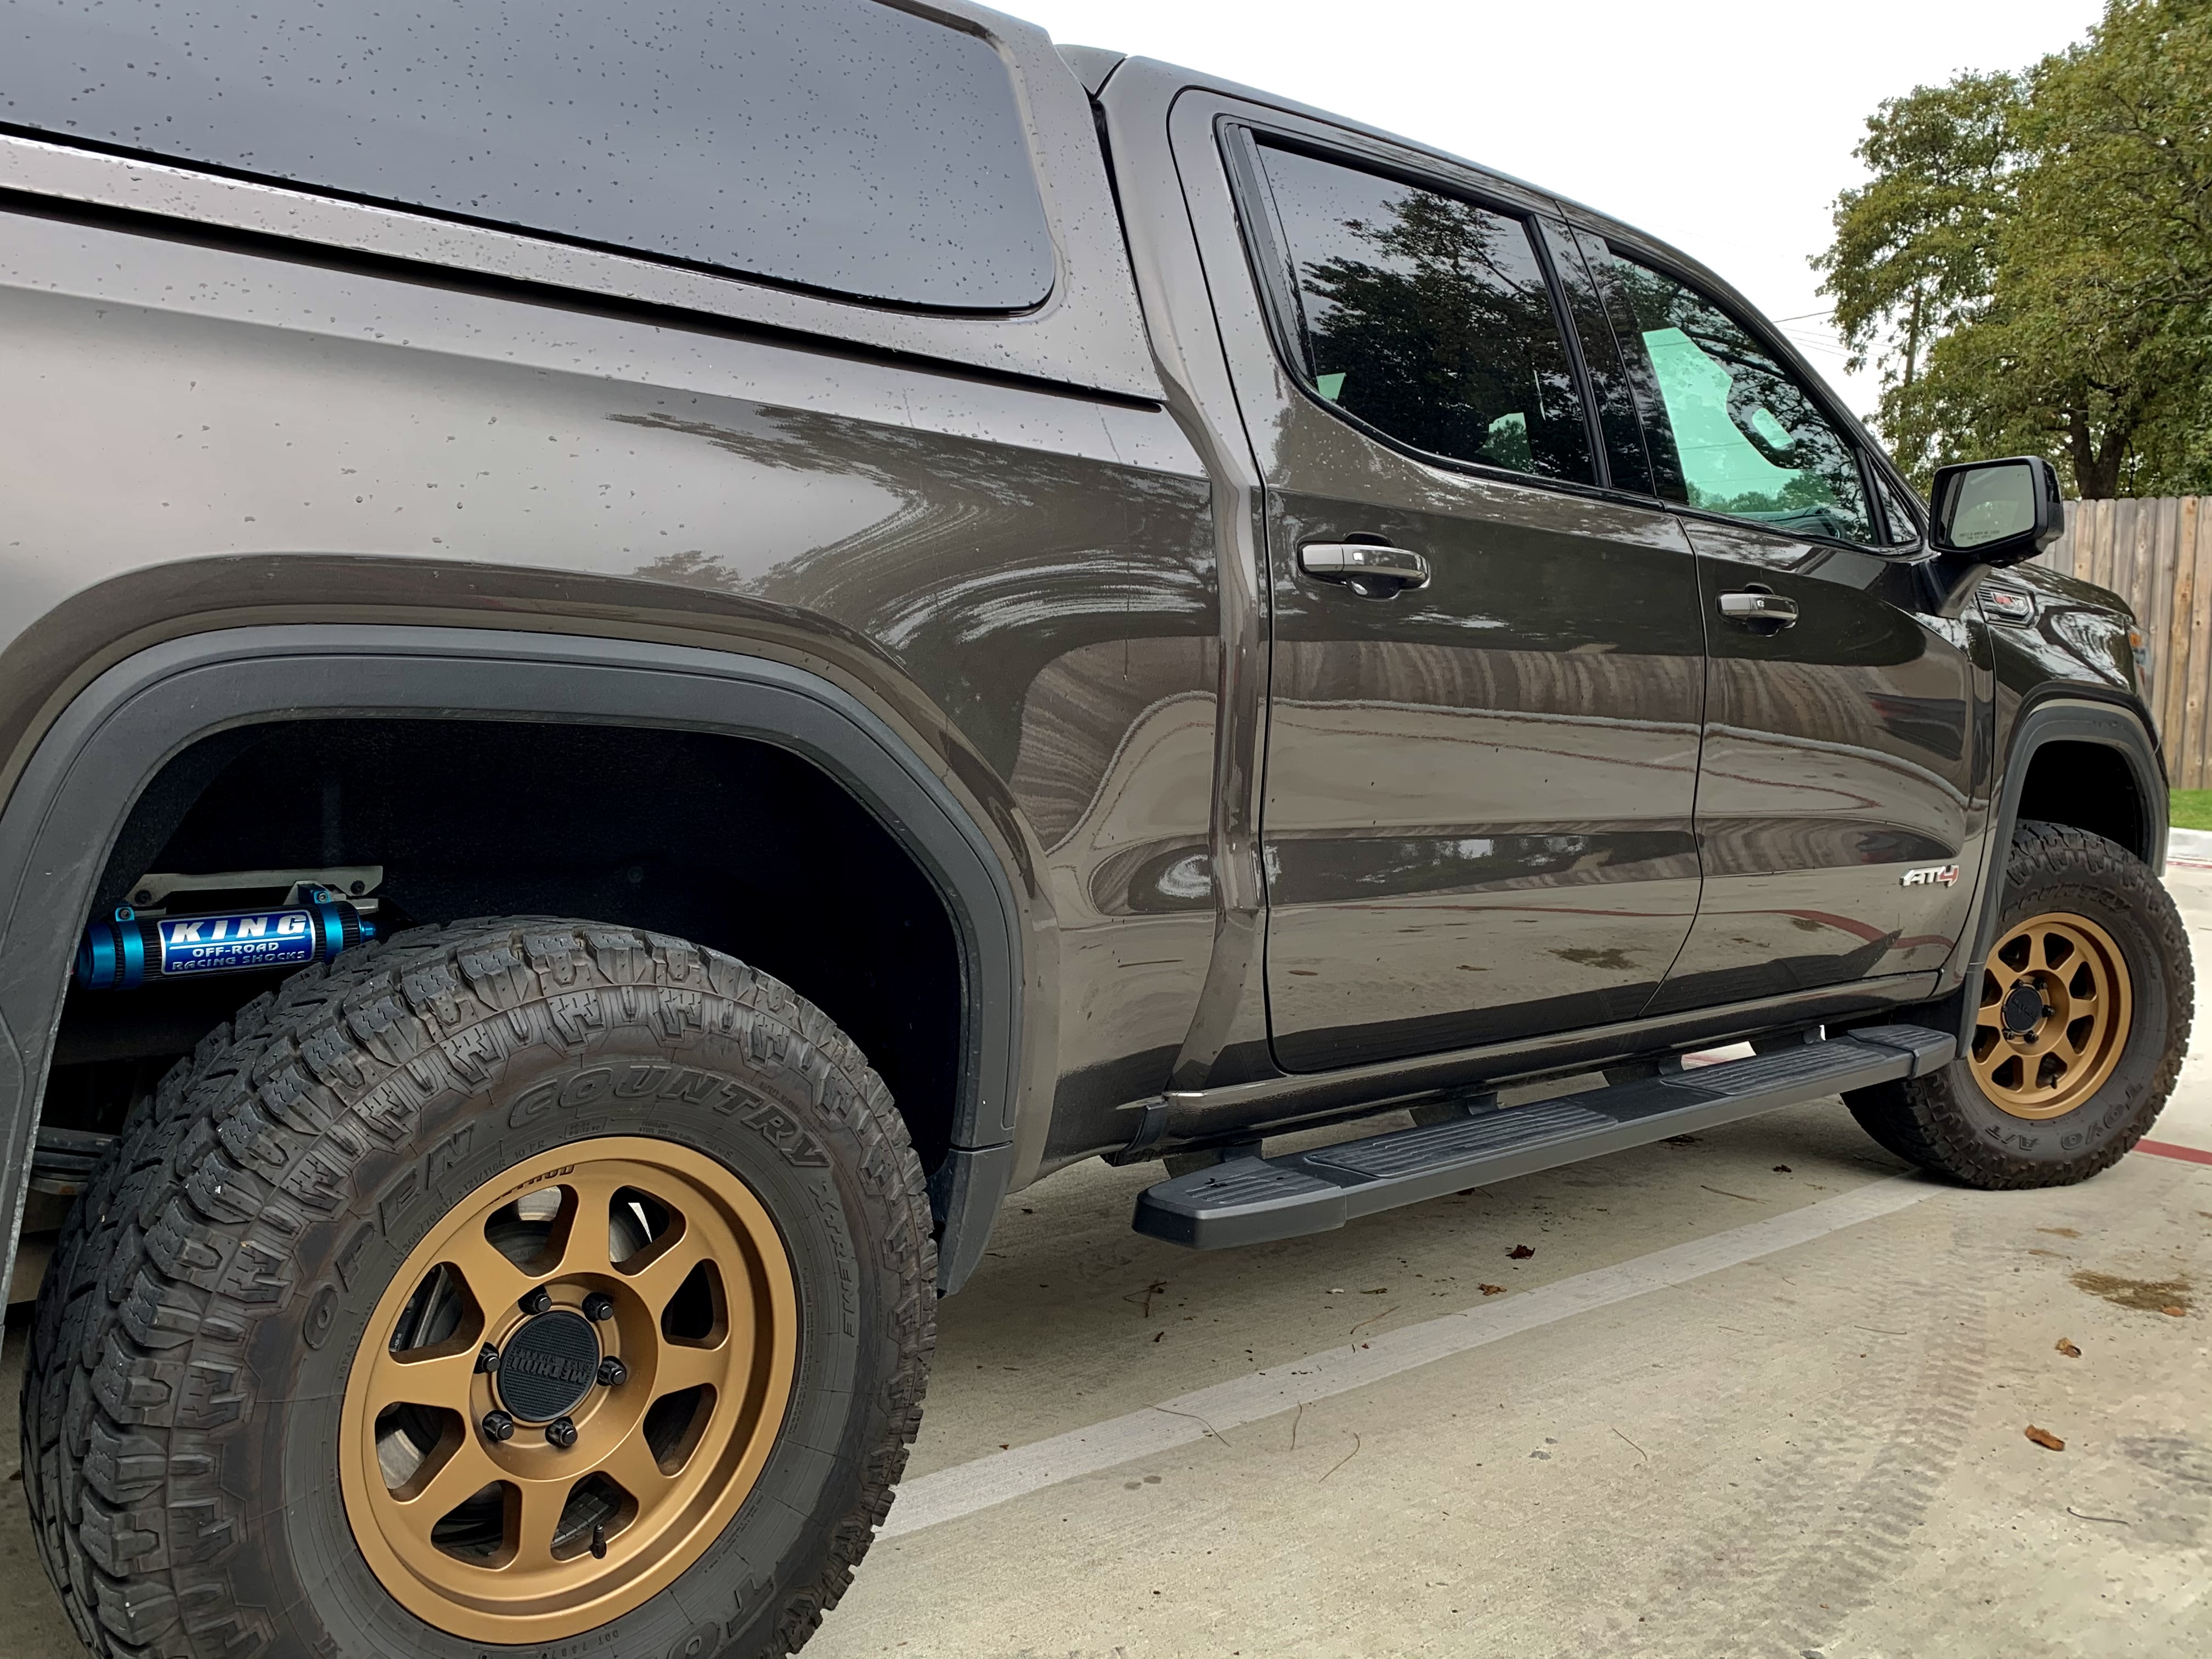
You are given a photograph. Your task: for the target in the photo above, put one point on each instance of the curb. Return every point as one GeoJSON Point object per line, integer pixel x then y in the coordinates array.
{"type": "Point", "coordinates": [2190, 847]}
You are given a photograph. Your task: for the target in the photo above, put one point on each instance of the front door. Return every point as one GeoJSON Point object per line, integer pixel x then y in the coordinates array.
{"type": "Point", "coordinates": [1480, 771]}
{"type": "Point", "coordinates": [1837, 771]}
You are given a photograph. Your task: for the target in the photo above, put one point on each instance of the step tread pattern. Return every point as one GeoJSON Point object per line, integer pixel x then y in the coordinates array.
{"type": "Point", "coordinates": [1440, 1144]}
{"type": "Point", "coordinates": [1743, 1077]}
{"type": "Point", "coordinates": [1243, 1181]}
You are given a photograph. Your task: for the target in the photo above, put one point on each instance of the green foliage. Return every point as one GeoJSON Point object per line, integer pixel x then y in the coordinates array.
{"type": "Point", "coordinates": [2031, 264]}
{"type": "Point", "coordinates": [2191, 808]}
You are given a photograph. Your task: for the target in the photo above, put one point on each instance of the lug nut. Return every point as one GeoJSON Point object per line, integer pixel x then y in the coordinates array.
{"type": "Point", "coordinates": [598, 1305]}
{"type": "Point", "coordinates": [498, 1425]}
{"type": "Point", "coordinates": [612, 1372]}
{"type": "Point", "coordinates": [538, 1301]}
{"type": "Point", "coordinates": [561, 1432]}
{"type": "Point", "coordinates": [487, 1358]}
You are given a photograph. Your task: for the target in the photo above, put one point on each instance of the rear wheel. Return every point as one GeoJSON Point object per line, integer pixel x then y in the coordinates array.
{"type": "Point", "coordinates": [503, 1284]}
{"type": "Point", "coordinates": [2082, 1009]}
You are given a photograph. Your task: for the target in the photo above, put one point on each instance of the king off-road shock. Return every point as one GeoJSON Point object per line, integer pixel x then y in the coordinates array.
{"type": "Point", "coordinates": [321, 914]}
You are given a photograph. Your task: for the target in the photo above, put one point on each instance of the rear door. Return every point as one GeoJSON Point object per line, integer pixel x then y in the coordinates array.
{"type": "Point", "coordinates": [1477, 808]}
{"type": "Point", "coordinates": [1836, 778]}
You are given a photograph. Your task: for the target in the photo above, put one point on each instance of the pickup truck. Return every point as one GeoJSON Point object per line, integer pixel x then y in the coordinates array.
{"type": "Point", "coordinates": [649, 657]}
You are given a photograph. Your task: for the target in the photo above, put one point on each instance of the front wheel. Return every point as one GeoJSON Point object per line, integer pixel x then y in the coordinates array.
{"type": "Point", "coordinates": [2082, 1009]}
{"type": "Point", "coordinates": [503, 1284]}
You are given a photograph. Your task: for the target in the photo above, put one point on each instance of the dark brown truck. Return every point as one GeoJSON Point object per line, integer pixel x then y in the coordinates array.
{"type": "Point", "coordinates": [647, 659]}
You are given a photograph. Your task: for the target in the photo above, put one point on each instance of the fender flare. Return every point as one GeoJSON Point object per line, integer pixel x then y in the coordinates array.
{"type": "Point", "coordinates": [104, 748]}
{"type": "Point", "coordinates": [2059, 717]}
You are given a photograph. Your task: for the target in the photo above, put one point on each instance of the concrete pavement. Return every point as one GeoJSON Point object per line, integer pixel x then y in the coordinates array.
{"type": "Point", "coordinates": [1753, 1395]}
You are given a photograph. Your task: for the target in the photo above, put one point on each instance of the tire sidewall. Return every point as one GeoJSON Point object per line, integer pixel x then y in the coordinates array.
{"type": "Point", "coordinates": [716, 1097]}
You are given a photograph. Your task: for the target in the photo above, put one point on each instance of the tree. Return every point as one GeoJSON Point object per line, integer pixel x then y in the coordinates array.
{"type": "Point", "coordinates": [1913, 253]}
{"type": "Point", "coordinates": [2032, 263]}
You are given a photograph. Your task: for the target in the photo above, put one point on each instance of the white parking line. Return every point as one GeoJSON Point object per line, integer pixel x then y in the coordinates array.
{"type": "Point", "coordinates": [946, 1495]}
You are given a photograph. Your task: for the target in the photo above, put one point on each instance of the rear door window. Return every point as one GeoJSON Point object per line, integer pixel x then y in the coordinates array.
{"type": "Point", "coordinates": [1750, 442]}
{"type": "Point", "coordinates": [839, 145]}
{"type": "Point", "coordinates": [1427, 317]}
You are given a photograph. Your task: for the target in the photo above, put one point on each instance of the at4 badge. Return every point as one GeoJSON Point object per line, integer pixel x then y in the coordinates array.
{"type": "Point", "coordinates": [1930, 875]}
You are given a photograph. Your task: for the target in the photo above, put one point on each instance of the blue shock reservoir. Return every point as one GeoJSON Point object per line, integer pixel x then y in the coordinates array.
{"type": "Point", "coordinates": [129, 950]}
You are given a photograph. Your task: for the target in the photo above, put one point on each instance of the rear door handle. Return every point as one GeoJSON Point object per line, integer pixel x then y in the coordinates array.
{"type": "Point", "coordinates": [1768, 612]}
{"type": "Point", "coordinates": [1370, 569]}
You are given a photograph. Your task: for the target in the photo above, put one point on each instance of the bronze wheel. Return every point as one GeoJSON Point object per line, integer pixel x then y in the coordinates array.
{"type": "Point", "coordinates": [2055, 1008]}
{"type": "Point", "coordinates": [569, 1390]}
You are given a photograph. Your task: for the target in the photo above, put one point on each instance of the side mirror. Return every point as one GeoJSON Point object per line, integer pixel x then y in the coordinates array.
{"type": "Point", "coordinates": [1997, 513]}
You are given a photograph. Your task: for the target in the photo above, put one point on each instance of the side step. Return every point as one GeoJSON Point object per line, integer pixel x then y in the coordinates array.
{"type": "Point", "coordinates": [1248, 1200]}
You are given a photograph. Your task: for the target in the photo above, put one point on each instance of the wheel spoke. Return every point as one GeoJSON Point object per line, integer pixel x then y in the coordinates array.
{"type": "Point", "coordinates": [533, 1516]}
{"type": "Point", "coordinates": [584, 1246]}
{"type": "Point", "coordinates": [496, 1282]}
{"type": "Point", "coordinates": [633, 1467]}
{"type": "Point", "coordinates": [467, 1470]}
{"type": "Point", "coordinates": [683, 1366]}
{"type": "Point", "coordinates": [441, 1376]}
{"type": "Point", "coordinates": [659, 1270]}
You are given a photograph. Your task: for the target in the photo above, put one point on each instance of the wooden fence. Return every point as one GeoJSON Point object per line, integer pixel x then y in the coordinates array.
{"type": "Point", "coordinates": [2157, 555]}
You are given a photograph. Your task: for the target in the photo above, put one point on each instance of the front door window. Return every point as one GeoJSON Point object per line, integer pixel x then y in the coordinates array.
{"type": "Point", "coordinates": [1749, 440]}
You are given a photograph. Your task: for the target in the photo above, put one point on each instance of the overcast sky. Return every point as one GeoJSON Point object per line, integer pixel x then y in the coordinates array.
{"type": "Point", "coordinates": [1724, 126]}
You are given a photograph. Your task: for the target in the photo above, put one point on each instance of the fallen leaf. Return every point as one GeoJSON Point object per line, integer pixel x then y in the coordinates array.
{"type": "Point", "coordinates": [1380, 1289]}
{"type": "Point", "coordinates": [1520, 1253]}
{"type": "Point", "coordinates": [2044, 1438]}
{"type": "Point", "coordinates": [1491, 1289]}
{"type": "Point", "coordinates": [1782, 1169]}
{"type": "Point", "coordinates": [2175, 1313]}
{"type": "Point", "coordinates": [2059, 1232]}
{"type": "Point", "coordinates": [1681, 1140]}
{"type": "Point", "coordinates": [2069, 1349]}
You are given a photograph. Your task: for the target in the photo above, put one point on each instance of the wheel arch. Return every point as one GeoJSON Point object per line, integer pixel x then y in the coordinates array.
{"type": "Point", "coordinates": [2053, 742]}
{"type": "Point", "coordinates": [96, 759]}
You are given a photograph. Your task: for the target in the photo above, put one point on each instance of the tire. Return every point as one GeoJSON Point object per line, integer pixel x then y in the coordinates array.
{"type": "Point", "coordinates": [210, 1316]}
{"type": "Point", "coordinates": [2084, 892]}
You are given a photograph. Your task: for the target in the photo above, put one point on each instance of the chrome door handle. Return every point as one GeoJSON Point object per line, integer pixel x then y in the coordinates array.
{"type": "Point", "coordinates": [1365, 566]}
{"type": "Point", "coordinates": [1768, 612]}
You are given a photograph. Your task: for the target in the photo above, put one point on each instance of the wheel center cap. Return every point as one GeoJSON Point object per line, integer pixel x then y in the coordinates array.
{"type": "Point", "coordinates": [548, 1365]}
{"type": "Point", "coordinates": [2023, 1007]}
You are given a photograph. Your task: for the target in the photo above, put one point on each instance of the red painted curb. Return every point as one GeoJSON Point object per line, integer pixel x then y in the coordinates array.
{"type": "Point", "coordinates": [2168, 1149]}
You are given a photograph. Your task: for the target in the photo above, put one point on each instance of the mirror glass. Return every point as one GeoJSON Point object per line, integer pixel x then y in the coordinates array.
{"type": "Point", "coordinates": [1991, 504]}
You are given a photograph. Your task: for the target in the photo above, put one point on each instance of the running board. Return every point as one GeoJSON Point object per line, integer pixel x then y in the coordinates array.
{"type": "Point", "coordinates": [1249, 1199]}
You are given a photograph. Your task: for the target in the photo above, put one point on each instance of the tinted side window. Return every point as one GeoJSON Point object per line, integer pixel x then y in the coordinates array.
{"type": "Point", "coordinates": [1428, 318]}
{"type": "Point", "coordinates": [836, 144]}
{"type": "Point", "coordinates": [1750, 440]}
{"type": "Point", "coordinates": [1904, 522]}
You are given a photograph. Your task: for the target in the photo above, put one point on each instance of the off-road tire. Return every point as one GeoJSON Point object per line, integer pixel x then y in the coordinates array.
{"type": "Point", "coordinates": [1947, 1123]}
{"type": "Point", "coordinates": [195, 1330]}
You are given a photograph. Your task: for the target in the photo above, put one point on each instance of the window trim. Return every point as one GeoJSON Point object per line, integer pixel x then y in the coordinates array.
{"type": "Point", "coordinates": [1261, 234]}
